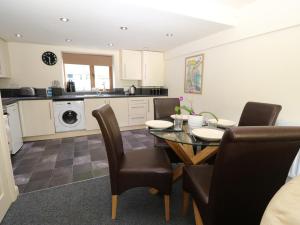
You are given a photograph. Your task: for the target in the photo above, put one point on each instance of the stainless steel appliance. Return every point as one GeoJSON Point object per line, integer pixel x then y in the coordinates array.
{"type": "Point", "coordinates": [27, 92]}
{"type": "Point", "coordinates": [132, 90]}
{"type": "Point", "coordinates": [71, 86]}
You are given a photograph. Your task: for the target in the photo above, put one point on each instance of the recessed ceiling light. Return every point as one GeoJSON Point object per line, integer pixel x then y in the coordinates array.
{"type": "Point", "coordinates": [68, 40]}
{"type": "Point", "coordinates": [64, 19]}
{"type": "Point", "coordinates": [169, 34]}
{"type": "Point", "coordinates": [124, 28]}
{"type": "Point", "coordinates": [110, 44]}
{"type": "Point", "coordinates": [19, 35]}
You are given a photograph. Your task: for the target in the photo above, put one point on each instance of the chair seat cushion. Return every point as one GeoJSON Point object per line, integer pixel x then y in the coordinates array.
{"type": "Point", "coordinates": [196, 181]}
{"type": "Point", "coordinates": [147, 167]}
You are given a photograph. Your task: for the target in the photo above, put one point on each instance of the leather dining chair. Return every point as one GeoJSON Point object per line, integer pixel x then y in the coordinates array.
{"type": "Point", "coordinates": [259, 114]}
{"type": "Point", "coordinates": [142, 168]}
{"type": "Point", "coordinates": [251, 166]}
{"type": "Point", "coordinates": [163, 109]}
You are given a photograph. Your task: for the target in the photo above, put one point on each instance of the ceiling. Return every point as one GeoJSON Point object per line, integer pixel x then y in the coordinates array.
{"type": "Point", "coordinates": [96, 23]}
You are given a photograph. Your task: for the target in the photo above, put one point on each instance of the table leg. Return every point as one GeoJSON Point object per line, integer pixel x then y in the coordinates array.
{"type": "Point", "coordinates": [204, 154]}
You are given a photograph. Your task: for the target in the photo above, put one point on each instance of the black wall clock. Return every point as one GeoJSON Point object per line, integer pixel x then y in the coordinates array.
{"type": "Point", "coordinates": [49, 58]}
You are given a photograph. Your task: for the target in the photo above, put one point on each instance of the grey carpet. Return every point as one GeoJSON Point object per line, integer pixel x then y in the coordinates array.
{"type": "Point", "coordinates": [89, 203]}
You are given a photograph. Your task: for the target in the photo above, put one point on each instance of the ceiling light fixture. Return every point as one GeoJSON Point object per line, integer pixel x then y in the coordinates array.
{"type": "Point", "coordinates": [169, 35]}
{"type": "Point", "coordinates": [64, 19]}
{"type": "Point", "coordinates": [19, 35]}
{"type": "Point", "coordinates": [124, 28]}
{"type": "Point", "coordinates": [68, 40]}
{"type": "Point", "coordinates": [110, 44]}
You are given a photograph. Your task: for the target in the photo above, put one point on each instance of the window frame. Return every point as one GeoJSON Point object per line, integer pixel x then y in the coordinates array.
{"type": "Point", "coordinates": [92, 67]}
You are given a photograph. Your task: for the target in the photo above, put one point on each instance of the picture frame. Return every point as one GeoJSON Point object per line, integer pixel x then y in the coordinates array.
{"type": "Point", "coordinates": [193, 79]}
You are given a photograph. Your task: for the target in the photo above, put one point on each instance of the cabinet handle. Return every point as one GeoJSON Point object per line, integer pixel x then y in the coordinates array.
{"type": "Point", "coordinates": [137, 107]}
{"type": "Point", "coordinates": [125, 75]}
{"type": "Point", "coordinates": [50, 111]}
{"type": "Point", "coordinates": [139, 117]}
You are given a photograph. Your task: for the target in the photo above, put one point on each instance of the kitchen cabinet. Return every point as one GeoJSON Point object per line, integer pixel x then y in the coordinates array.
{"type": "Point", "coordinates": [131, 65]}
{"type": "Point", "coordinates": [150, 111]}
{"type": "Point", "coordinates": [4, 60]}
{"type": "Point", "coordinates": [120, 108]}
{"type": "Point", "coordinates": [138, 108]}
{"type": "Point", "coordinates": [152, 69]}
{"type": "Point", "coordinates": [90, 105]}
{"type": "Point", "coordinates": [36, 117]}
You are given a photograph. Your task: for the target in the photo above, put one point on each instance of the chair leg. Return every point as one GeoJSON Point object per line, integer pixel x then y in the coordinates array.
{"type": "Point", "coordinates": [198, 219]}
{"type": "Point", "coordinates": [185, 202]}
{"type": "Point", "coordinates": [114, 203]}
{"type": "Point", "coordinates": [167, 207]}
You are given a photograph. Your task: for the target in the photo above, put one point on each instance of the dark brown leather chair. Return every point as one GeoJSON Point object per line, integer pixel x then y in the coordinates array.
{"type": "Point", "coordinates": [163, 109]}
{"type": "Point", "coordinates": [143, 168]}
{"type": "Point", "coordinates": [251, 166]}
{"type": "Point", "coordinates": [259, 114]}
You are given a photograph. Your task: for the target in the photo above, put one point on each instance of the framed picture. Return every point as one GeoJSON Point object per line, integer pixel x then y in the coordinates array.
{"type": "Point", "coordinates": [193, 74]}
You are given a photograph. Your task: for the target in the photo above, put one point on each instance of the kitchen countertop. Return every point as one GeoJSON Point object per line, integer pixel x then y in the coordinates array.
{"type": "Point", "coordinates": [8, 101]}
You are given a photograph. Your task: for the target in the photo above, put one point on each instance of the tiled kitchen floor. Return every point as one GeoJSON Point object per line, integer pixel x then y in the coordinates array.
{"type": "Point", "coordinates": [50, 163]}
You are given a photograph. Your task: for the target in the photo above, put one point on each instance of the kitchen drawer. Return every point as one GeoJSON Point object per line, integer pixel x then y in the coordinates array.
{"type": "Point", "coordinates": [137, 120]}
{"type": "Point", "coordinates": [140, 109]}
{"type": "Point", "coordinates": [138, 101]}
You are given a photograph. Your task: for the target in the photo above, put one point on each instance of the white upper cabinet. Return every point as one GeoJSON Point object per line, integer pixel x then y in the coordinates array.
{"type": "Point", "coordinates": [153, 68]}
{"type": "Point", "coordinates": [4, 60]}
{"type": "Point", "coordinates": [131, 62]}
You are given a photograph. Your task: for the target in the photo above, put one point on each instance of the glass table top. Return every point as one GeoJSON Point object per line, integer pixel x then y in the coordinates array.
{"type": "Point", "coordinates": [183, 137]}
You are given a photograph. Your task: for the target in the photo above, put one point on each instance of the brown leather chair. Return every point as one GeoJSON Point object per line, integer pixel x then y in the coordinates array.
{"type": "Point", "coordinates": [259, 114]}
{"type": "Point", "coordinates": [143, 168]}
{"type": "Point", "coordinates": [163, 109]}
{"type": "Point", "coordinates": [251, 166]}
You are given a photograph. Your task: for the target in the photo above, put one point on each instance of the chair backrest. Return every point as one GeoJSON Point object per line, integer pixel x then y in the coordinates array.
{"type": "Point", "coordinates": [259, 114]}
{"type": "Point", "coordinates": [113, 140]}
{"type": "Point", "coordinates": [251, 166]}
{"type": "Point", "coordinates": [164, 108]}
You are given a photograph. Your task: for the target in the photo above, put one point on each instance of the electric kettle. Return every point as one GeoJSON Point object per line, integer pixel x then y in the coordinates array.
{"type": "Point", "coordinates": [132, 90]}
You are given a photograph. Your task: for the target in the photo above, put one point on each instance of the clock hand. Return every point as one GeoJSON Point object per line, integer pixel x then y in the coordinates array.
{"type": "Point", "coordinates": [49, 59]}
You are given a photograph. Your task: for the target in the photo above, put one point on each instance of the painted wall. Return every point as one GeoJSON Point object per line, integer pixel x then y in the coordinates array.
{"type": "Point", "coordinates": [256, 61]}
{"type": "Point", "coordinates": [27, 68]}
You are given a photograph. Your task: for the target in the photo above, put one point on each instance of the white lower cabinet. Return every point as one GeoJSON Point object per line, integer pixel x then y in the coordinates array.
{"type": "Point", "coordinates": [120, 108]}
{"type": "Point", "coordinates": [36, 117]}
{"type": "Point", "coordinates": [90, 105]}
{"type": "Point", "coordinates": [138, 108]}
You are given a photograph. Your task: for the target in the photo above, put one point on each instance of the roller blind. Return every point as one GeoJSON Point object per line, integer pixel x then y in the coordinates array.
{"type": "Point", "coordinates": [87, 59]}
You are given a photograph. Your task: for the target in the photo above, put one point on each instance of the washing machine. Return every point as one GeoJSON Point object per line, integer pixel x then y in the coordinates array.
{"type": "Point", "coordinates": [69, 115]}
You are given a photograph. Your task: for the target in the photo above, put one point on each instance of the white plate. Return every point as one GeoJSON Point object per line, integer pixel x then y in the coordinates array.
{"type": "Point", "coordinates": [181, 116]}
{"type": "Point", "coordinates": [159, 124]}
{"type": "Point", "coordinates": [222, 123]}
{"type": "Point", "coordinates": [208, 134]}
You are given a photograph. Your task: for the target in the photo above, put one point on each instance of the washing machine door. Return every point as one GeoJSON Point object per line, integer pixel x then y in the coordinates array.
{"type": "Point", "coordinates": [70, 118]}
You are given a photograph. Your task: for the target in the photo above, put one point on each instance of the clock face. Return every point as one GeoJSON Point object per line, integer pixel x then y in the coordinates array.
{"type": "Point", "coordinates": [49, 58]}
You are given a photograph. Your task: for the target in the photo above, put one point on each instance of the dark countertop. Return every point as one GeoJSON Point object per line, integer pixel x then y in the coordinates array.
{"type": "Point", "coordinates": [8, 101]}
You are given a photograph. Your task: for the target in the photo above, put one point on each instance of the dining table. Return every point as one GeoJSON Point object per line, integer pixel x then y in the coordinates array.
{"type": "Point", "coordinates": [183, 143]}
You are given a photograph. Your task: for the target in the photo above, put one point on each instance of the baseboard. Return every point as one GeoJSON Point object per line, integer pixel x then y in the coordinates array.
{"type": "Point", "coordinates": [75, 133]}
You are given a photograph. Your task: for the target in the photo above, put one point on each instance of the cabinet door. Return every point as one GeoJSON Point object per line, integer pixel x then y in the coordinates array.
{"type": "Point", "coordinates": [131, 65]}
{"type": "Point", "coordinates": [150, 112]}
{"type": "Point", "coordinates": [90, 105]}
{"type": "Point", "coordinates": [36, 117]}
{"type": "Point", "coordinates": [4, 60]}
{"type": "Point", "coordinates": [153, 69]}
{"type": "Point", "coordinates": [120, 108]}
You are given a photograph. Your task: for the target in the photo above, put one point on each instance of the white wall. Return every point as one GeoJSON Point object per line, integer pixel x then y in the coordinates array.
{"type": "Point", "coordinates": [256, 61]}
{"type": "Point", "coordinates": [27, 68]}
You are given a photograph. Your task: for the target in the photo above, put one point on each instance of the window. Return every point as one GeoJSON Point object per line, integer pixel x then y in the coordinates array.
{"type": "Point", "coordinates": [88, 71]}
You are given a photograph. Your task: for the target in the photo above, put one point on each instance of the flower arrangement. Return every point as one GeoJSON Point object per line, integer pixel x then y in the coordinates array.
{"type": "Point", "coordinates": [190, 109]}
